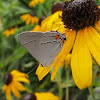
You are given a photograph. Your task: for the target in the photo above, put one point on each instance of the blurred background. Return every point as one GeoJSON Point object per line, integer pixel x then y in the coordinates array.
{"type": "Point", "coordinates": [14, 56]}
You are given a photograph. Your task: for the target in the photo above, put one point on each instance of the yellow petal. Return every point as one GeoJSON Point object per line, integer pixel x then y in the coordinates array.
{"type": "Point", "coordinates": [47, 23]}
{"type": "Point", "coordinates": [39, 69]}
{"type": "Point", "coordinates": [55, 70]}
{"type": "Point", "coordinates": [16, 73]}
{"type": "Point", "coordinates": [4, 88]}
{"type": "Point", "coordinates": [46, 96]}
{"type": "Point", "coordinates": [81, 62]}
{"type": "Point", "coordinates": [25, 17]}
{"type": "Point", "coordinates": [42, 71]}
{"type": "Point", "coordinates": [15, 91]}
{"type": "Point", "coordinates": [19, 86]}
{"type": "Point", "coordinates": [67, 60]}
{"type": "Point", "coordinates": [67, 46]}
{"type": "Point", "coordinates": [37, 28]}
{"type": "Point", "coordinates": [34, 20]}
{"type": "Point", "coordinates": [63, 54]}
{"type": "Point", "coordinates": [8, 93]}
{"type": "Point", "coordinates": [22, 79]}
{"type": "Point", "coordinates": [28, 21]}
{"type": "Point", "coordinates": [93, 42]}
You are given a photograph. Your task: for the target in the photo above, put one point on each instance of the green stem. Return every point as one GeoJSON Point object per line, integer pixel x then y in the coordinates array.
{"type": "Point", "coordinates": [91, 92]}
{"type": "Point", "coordinates": [99, 68]}
{"type": "Point", "coordinates": [60, 92]}
{"type": "Point", "coordinates": [59, 87]}
{"type": "Point", "coordinates": [67, 78]}
{"type": "Point", "coordinates": [44, 11]}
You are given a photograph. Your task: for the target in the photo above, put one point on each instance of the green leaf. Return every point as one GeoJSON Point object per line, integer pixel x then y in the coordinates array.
{"type": "Point", "coordinates": [18, 53]}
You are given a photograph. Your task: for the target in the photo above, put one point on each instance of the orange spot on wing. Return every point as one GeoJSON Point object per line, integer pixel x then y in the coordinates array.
{"type": "Point", "coordinates": [63, 40]}
{"type": "Point", "coordinates": [57, 37]}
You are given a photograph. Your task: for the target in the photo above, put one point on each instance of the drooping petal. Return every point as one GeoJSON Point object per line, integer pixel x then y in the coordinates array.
{"type": "Point", "coordinates": [4, 88]}
{"type": "Point", "coordinates": [15, 91]}
{"type": "Point", "coordinates": [92, 38]}
{"type": "Point", "coordinates": [17, 73]}
{"type": "Point", "coordinates": [28, 20]}
{"type": "Point", "coordinates": [68, 60]}
{"type": "Point", "coordinates": [63, 54]}
{"type": "Point", "coordinates": [8, 93]}
{"type": "Point", "coordinates": [24, 17]}
{"type": "Point", "coordinates": [42, 71]}
{"type": "Point", "coordinates": [55, 70]}
{"type": "Point", "coordinates": [22, 79]}
{"type": "Point", "coordinates": [81, 62]}
{"type": "Point", "coordinates": [19, 86]}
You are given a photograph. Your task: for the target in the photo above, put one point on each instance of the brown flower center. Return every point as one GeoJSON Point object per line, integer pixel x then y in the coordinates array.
{"type": "Point", "coordinates": [78, 14]}
{"type": "Point", "coordinates": [40, 20]}
{"type": "Point", "coordinates": [32, 14]}
{"type": "Point", "coordinates": [29, 96]}
{"type": "Point", "coordinates": [7, 79]}
{"type": "Point", "coordinates": [56, 7]}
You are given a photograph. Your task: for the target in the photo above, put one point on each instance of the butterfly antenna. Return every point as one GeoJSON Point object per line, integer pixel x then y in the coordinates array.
{"type": "Point", "coordinates": [32, 69]}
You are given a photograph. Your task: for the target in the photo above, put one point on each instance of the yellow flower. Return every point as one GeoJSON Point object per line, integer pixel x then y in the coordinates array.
{"type": "Point", "coordinates": [82, 38]}
{"type": "Point", "coordinates": [38, 26]}
{"type": "Point", "coordinates": [40, 96]}
{"type": "Point", "coordinates": [47, 23]}
{"type": "Point", "coordinates": [9, 32]}
{"type": "Point", "coordinates": [29, 19]}
{"type": "Point", "coordinates": [12, 83]}
{"type": "Point", "coordinates": [35, 2]}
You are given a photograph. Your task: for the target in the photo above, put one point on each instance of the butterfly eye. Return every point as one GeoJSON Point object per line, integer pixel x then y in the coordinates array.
{"type": "Point", "coordinates": [65, 38]}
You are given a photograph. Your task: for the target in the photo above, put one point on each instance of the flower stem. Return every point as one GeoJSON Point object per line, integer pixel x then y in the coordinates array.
{"type": "Point", "coordinates": [91, 92]}
{"type": "Point", "coordinates": [59, 87]}
{"type": "Point", "coordinates": [99, 68]}
{"type": "Point", "coordinates": [60, 92]}
{"type": "Point", "coordinates": [67, 78]}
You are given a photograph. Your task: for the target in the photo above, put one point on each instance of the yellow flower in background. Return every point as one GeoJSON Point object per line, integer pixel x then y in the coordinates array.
{"type": "Point", "coordinates": [9, 32]}
{"type": "Point", "coordinates": [82, 38]}
{"type": "Point", "coordinates": [29, 19]}
{"type": "Point", "coordinates": [38, 26]}
{"type": "Point", "coordinates": [12, 83]}
{"type": "Point", "coordinates": [40, 96]}
{"type": "Point", "coordinates": [46, 24]}
{"type": "Point", "coordinates": [35, 2]}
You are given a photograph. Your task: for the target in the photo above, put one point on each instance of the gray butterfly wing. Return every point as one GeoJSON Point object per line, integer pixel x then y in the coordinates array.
{"type": "Point", "coordinates": [42, 46]}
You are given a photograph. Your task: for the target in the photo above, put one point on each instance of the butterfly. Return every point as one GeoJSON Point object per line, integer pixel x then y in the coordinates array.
{"type": "Point", "coordinates": [43, 46]}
